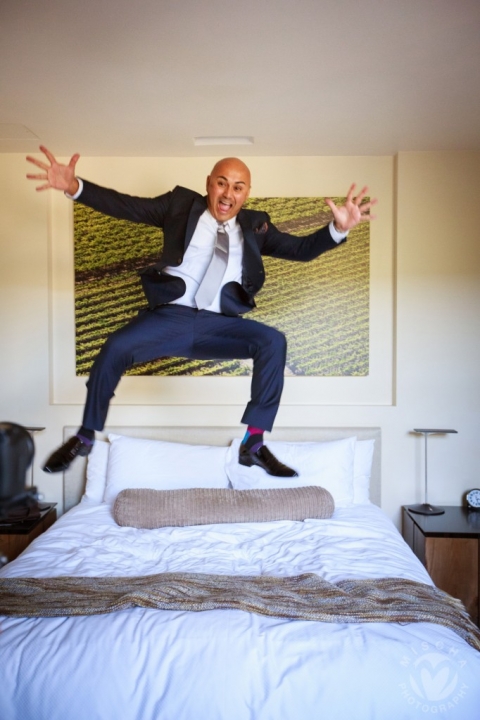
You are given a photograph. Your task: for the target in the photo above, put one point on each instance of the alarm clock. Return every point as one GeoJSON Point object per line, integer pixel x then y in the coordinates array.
{"type": "Point", "coordinates": [473, 499]}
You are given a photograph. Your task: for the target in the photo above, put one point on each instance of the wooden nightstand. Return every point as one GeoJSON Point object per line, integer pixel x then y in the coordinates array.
{"type": "Point", "coordinates": [449, 547]}
{"type": "Point", "coordinates": [15, 538]}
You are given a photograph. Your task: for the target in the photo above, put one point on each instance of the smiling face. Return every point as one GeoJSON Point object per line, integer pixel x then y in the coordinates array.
{"type": "Point", "coordinates": [228, 186]}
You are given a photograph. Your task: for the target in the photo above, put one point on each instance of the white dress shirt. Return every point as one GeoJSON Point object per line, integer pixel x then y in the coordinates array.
{"type": "Point", "coordinates": [198, 255]}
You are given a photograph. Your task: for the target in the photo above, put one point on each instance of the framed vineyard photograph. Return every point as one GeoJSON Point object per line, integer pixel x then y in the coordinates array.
{"type": "Point", "coordinates": [337, 311]}
{"type": "Point", "coordinates": [322, 306]}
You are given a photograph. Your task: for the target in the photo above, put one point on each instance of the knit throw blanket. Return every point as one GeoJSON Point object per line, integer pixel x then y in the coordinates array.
{"type": "Point", "coordinates": [305, 597]}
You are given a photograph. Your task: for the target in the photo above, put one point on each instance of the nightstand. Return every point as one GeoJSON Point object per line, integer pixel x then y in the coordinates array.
{"type": "Point", "coordinates": [449, 547]}
{"type": "Point", "coordinates": [16, 537]}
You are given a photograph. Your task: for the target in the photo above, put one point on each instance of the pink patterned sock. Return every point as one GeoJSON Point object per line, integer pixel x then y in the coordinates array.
{"type": "Point", "coordinates": [253, 439]}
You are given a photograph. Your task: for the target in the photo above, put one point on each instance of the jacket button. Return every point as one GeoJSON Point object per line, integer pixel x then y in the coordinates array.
{"type": "Point", "coordinates": [179, 260]}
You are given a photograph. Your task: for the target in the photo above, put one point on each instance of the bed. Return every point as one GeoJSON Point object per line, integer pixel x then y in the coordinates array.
{"type": "Point", "coordinates": [228, 664]}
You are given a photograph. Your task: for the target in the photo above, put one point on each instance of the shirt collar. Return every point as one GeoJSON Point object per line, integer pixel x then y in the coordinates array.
{"type": "Point", "coordinates": [229, 225]}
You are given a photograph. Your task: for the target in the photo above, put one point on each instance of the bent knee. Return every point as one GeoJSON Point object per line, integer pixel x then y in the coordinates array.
{"type": "Point", "coordinates": [274, 340]}
{"type": "Point", "coordinates": [280, 340]}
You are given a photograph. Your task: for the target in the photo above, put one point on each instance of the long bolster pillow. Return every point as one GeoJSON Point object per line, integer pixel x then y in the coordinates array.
{"type": "Point", "coordinates": [149, 509]}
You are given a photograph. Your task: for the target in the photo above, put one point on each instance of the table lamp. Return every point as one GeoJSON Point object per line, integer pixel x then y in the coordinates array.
{"type": "Point", "coordinates": [425, 508]}
{"type": "Point", "coordinates": [33, 430]}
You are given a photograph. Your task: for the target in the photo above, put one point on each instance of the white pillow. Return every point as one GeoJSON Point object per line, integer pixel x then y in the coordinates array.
{"type": "Point", "coordinates": [97, 463]}
{"type": "Point", "coordinates": [328, 464]}
{"type": "Point", "coordinates": [362, 469]}
{"type": "Point", "coordinates": [159, 465]}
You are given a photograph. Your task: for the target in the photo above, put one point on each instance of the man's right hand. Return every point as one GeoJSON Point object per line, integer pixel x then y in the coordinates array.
{"type": "Point", "coordinates": [55, 175]}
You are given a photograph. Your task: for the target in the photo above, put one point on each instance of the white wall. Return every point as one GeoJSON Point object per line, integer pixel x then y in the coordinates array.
{"type": "Point", "coordinates": [429, 206]}
{"type": "Point", "coordinates": [438, 320]}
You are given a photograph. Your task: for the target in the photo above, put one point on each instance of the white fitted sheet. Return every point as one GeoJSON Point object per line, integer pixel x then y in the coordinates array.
{"type": "Point", "coordinates": [229, 664]}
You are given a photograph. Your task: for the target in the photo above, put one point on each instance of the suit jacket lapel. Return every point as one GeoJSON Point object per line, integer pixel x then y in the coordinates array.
{"type": "Point", "coordinates": [198, 208]}
{"type": "Point", "coordinates": [252, 259]}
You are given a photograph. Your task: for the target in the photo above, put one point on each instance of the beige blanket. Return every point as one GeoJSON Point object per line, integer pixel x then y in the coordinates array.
{"type": "Point", "coordinates": [306, 597]}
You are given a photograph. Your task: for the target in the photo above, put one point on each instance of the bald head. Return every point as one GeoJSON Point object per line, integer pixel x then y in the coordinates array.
{"type": "Point", "coordinates": [228, 187]}
{"type": "Point", "coordinates": [231, 165]}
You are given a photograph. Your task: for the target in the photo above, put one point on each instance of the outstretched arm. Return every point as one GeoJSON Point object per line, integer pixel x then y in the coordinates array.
{"type": "Point", "coordinates": [55, 175]}
{"type": "Point", "coordinates": [348, 216]}
{"type": "Point", "coordinates": [308, 247]}
{"type": "Point", "coordinates": [150, 211]}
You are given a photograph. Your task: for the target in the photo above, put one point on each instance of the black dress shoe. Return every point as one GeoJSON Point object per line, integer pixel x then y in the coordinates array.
{"type": "Point", "coordinates": [266, 460]}
{"type": "Point", "coordinates": [61, 458]}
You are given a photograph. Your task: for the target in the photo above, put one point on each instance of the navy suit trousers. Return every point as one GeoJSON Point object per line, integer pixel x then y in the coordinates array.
{"type": "Point", "coordinates": [180, 331]}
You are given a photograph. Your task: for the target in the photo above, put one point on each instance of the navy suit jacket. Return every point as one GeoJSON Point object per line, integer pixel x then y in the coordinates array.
{"type": "Point", "coordinates": [177, 212]}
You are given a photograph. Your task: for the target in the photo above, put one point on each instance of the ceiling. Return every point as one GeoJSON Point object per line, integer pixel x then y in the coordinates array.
{"type": "Point", "coordinates": [302, 77]}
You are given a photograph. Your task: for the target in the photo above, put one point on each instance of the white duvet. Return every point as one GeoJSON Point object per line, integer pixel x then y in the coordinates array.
{"type": "Point", "coordinates": [228, 664]}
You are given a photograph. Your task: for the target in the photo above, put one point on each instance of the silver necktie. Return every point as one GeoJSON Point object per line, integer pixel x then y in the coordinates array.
{"type": "Point", "coordinates": [213, 277]}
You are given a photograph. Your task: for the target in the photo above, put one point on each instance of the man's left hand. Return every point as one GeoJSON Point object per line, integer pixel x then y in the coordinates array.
{"type": "Point", "coordinates": [348, 216]}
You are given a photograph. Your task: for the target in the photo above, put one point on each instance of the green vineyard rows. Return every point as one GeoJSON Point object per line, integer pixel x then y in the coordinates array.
{"type": "Point", "coordinates": [321, 306]}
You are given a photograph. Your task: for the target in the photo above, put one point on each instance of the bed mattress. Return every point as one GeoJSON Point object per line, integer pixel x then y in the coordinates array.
{"type": "Point", "coordinates": [229, 664]}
